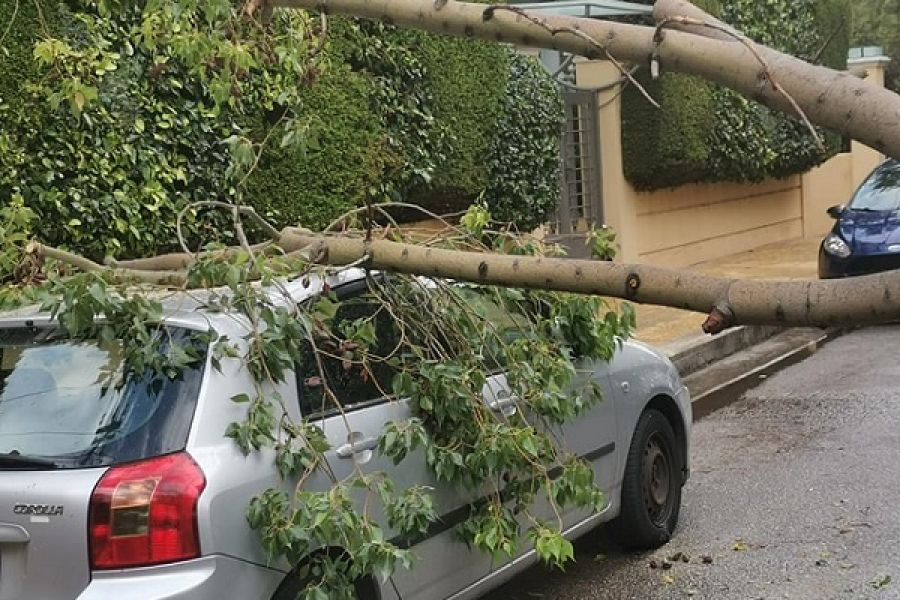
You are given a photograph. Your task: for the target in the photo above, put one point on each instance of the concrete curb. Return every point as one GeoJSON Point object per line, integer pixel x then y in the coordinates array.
{"type": "Point", "coordinates": [724, 383]}
{"type": "Point", "coordinates": [693, 353]}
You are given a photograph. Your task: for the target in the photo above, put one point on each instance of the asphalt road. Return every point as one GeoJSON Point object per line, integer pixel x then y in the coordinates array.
{"type": "Point", "coordinates": [795, 493]}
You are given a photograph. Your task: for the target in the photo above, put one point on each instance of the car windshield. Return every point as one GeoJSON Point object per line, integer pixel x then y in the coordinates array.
{"type": "Point", "coordinates": [63, 402]}
{"type": "Point", "coordinates": [881, 191]}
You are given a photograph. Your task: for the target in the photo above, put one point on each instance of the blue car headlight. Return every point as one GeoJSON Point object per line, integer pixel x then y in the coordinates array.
{"type": "Point", "coordinates": [835, 246]}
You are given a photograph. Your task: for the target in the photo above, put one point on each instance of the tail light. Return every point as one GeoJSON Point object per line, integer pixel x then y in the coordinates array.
{"type": "Point", "coordinates": [145, 513]}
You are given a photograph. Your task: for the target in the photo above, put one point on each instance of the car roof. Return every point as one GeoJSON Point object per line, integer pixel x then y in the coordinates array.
{"type": "Point", "coordinates": [189, 308]}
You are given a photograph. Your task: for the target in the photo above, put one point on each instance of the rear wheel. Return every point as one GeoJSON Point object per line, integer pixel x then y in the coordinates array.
{"type": "Point", "coordinates": [651, 485]}
{"type": "Point", "coordinates": [295, 582]}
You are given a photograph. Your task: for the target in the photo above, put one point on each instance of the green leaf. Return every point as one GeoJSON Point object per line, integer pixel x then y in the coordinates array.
{"type": "Point", "coordinates": [240, 398]}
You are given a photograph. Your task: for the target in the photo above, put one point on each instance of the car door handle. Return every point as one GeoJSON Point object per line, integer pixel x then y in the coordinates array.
{"type": "Point", "coordinates": [355, 447]}
{"type": "Point", "coordinates": [504, 404]}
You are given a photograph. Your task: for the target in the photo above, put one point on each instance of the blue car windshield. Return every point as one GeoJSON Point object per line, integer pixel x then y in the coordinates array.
{"type": "Point", "coordinates": [881, 191]}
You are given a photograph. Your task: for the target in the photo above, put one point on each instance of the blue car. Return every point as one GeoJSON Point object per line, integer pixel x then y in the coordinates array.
{"type": "Point", "coordinates": [866, 235]}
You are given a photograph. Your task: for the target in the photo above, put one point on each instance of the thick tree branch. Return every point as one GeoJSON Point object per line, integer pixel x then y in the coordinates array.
{"type": "Point", "coordinates": [859, 300]}
{"type": "Point", "coordinates": [173, 278]}
{"type": "Point", "coordinates": [832, 99]}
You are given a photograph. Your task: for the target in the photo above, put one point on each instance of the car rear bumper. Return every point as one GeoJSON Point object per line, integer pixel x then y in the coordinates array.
{"type": "Point", "coordinates": [208, 578]}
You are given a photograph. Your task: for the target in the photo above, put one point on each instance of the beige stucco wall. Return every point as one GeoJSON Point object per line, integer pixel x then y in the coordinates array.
{"type": "Point", "coordinates": [824, 186]}
{"type": "Point", "coordinates": [690, 224]}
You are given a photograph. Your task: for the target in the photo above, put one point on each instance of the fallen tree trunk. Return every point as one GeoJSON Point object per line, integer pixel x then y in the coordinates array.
{"type": "Point", "coordinates": [861, 300]}
{"type": "Point", "coordinates": [869, 299]}
{"type": "Point", "coordinates": [836, 100]}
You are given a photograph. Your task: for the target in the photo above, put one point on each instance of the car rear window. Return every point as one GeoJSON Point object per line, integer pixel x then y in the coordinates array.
{"type": "Point", "coordinates": [65, 400]}
{"type": "Point", "coordinates": [881, 191]}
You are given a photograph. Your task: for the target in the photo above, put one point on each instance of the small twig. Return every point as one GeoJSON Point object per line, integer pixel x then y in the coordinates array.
{"type": "Point", "coordinates": [750, 45]}
{"type": "Point", "coordinates": [834, 33]}
{"type": "Point", "coordinates": [239, 231]}
{"type": "Point", "coordinates": [9, 25]}
{"type": "Point", "coordinates": [621, 81]}
{"type": "Point", "coordinates": [242, 209]}
{"type": "Point", "coordinates": [554, 31]}
{"type": "Point", "coordinates": [40, 15]}
{"type": "Point", "coordinates": [262, 148]}
{"type": "Point", "coordinates": [323, 35]}
{"type": "Point", "coordinates": [370, 219]}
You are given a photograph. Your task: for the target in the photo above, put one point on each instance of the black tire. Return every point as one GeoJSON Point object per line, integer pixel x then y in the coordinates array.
{"type": "Point", "coordinates": [651, 486]}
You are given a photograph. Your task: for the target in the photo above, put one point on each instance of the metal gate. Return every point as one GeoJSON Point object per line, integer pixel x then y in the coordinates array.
{"type": "Point", "coordinates": [581, 197]}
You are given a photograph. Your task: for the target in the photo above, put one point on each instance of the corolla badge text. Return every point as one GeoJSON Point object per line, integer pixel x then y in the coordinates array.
{"type": "Point", "coordinates": [46, 510]}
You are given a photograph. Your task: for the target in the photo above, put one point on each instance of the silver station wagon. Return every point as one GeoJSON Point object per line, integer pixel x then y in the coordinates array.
{"type": "Point", "coordinates": [109, 492]}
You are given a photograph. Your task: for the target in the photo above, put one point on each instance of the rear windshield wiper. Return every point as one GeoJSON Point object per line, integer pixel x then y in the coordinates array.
{"type": "Point", "coordinates": [14, 460]}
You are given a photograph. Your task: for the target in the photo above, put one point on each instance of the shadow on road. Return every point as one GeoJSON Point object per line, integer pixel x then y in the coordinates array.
{"type": "Point", "coordinates": [598, 561]}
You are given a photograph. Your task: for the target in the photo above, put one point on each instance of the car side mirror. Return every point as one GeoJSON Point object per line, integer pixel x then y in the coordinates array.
{"type": "Point", "coordinates": [836, 211]}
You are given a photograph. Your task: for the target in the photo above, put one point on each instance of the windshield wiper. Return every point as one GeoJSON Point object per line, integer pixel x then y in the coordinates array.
{"type": "Point", "coordinates": [874, 210]}
{"type": "Point", "coordinates": [14, 460]}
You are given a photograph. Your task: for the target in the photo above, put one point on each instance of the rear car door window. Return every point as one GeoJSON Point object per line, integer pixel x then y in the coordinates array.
{"type": "Point", "coordinates": [353, 384]}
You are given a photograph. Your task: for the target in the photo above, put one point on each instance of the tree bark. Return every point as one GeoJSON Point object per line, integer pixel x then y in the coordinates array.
{"type": "Point", "coordinates": [728, 302]}
{"type": "Point", "coordinates": [833, 99]}
{"type": "Point", "coordinates": [869, 299]}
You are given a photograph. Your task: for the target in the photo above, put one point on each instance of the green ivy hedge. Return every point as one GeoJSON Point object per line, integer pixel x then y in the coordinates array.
{"type": "Point", "coordinates": [391, 115]}
{"type": "Point", "coordinates": [467, 79]}
{"type": "Point", "coordinates": [523, 155]}
{"type": "Point", "coordinates": [312, 187]}
{"type": "Point", "coordinates": [110, 181]}
{"type": "Point", "coordinates": [705, 133]}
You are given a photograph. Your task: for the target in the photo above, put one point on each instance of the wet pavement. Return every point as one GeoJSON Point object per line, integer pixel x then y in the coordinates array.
{"type": "Point", "coordinates": [789, 259]}
{"type": "Point", "coordinates": [795, 493]}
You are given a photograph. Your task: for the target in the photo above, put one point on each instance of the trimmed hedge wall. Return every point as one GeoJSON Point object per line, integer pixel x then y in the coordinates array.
{"type": "Point", "coordinates": [523, 155]}
{"type": "Point", "coordinates": [312, 188]}
{"type": "Point", "coordinates": [468, 80]}
{"type": "Point", "coordinates": [705, 133]}
{"type": "Point", "coordinates": [666, 147]}
{"type": "Point", "coordinates": [393, 115]}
